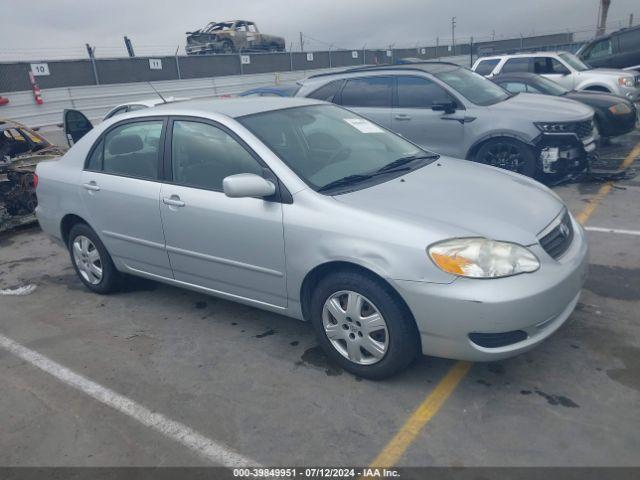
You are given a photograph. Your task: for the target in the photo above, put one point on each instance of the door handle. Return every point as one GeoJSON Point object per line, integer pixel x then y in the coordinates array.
{"type": "Point", "coordinates": [402, 116]}
{"type": "Point", "coordinates": [92, 186]}
{"type": "Point", "coordinates": [173, 201]}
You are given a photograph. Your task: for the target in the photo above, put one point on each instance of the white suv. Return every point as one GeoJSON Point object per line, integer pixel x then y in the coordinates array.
{"type": "Point", "coordinates": [564, 68]}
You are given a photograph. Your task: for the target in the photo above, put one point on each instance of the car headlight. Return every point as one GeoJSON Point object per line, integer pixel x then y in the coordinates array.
{"type": "Point", "coordinates": [553, 127]}
{"type": "Point", "coordinates": [620, 109]}
{"type": "Point", "coordinates": [482, 258]}
{"type": "Point", "coordinates": [625, 81]}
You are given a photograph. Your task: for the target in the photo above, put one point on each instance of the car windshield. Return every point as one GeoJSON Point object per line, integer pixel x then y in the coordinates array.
{"type": "Point", "coordinates": [574, 61]}
{"type": "Point", "coordinates": [326, 145]}
{"type": "Point", "coordinates": [473, 87]}
{"type": "Point", "coordinates": [549, 86]}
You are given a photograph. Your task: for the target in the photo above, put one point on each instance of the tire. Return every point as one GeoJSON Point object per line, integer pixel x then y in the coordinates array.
{"type": "Point", "coordinates": [509, 154]}
{"type": "Point", "coordinates": [95, 253]}
{"type": "Point", "coordinates": [398, 335]}
{"type": "Point", "coordinates": [602, 139]}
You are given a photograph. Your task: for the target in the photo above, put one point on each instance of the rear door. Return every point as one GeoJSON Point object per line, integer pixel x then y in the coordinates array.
{"type": "Point", "coordinates": [120, 188]}
{"type": "Point", "coordinates": [76, 125]}
{"type": "Point", "coordinates": [629, 50]}
{"type": "Point", "coordinates": [370, 96]}
{"type": "Point", "coordinates": [233, 246]}
{"type": "Point", "coordinates": [413, 118]}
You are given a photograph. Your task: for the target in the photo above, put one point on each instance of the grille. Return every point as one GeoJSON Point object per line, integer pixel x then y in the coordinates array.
{"type": "Point", "coordinates": [637, 80]}
{"type": "Point", "coordinates": [496, 340]}
{"type": "Point", "coordinates": [558, 240]}
{"type": "Point", "coordinates": [583, 129]}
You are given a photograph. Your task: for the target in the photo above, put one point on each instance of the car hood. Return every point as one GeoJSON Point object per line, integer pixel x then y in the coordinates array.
{"type": "Point", "coordinates": [543, 108]}
{"type": "Point", "coordinates": [599, 99]}
{"type": "Point", "coordinates": [459, 198]}
{"type": "Point", "coordinates": [608, 72]}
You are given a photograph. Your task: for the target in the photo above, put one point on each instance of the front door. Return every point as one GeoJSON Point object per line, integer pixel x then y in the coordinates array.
{"type": "Point", "coordinates": [413, 118]}
{"type": "Point", "coordinates": [233, 246]}
{"type": "Point", "coordinates": [121, 190]}
{"type": "Point", "coordinates": [555, 70]}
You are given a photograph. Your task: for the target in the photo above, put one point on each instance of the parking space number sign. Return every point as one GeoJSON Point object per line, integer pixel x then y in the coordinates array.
{"type": "Point", "coordinates": [40, 69]}
{"type": "Point", "coordinates": [155, 64]}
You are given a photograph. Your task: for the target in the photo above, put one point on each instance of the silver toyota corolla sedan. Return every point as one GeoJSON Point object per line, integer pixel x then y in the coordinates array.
{"type": "Point", "coordinates": [307, 209]}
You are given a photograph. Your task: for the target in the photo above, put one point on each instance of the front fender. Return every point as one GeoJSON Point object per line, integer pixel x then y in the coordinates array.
{"type": "Point", "coordinates": [598, 84]}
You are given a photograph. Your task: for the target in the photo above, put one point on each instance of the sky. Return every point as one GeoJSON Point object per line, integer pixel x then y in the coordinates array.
{"type": "Point", "coordinates": [60, 28]}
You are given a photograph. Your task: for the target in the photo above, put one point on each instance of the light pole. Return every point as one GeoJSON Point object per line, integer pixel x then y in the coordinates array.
{"type": "Point", "coordinates": [453, 35]}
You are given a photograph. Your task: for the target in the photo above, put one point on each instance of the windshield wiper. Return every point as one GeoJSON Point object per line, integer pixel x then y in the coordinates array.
{"type": "Point", "coordinates": [397, 165]}
{"type": "Point", "coordinates": [348, 180]}
{"type": "Point", "coordinates": [400, 162]}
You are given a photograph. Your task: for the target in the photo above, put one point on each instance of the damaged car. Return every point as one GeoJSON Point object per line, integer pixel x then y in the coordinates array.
{"type": "Point", "coordinates": [21, 149]}
{"type": "Point", "coordinates": [230, 37]}
{"type": "Point", "coordinates": [453, 111]}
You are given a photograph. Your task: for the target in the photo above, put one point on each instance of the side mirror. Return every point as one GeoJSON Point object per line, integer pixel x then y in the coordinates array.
{"type": "Point", "coordinates": [446, 106]}
{"type": "Point", "coordinates": [247, 185]}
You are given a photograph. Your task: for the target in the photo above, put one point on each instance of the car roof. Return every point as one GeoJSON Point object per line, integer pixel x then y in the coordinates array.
{"type": "Point", "coordinates": [233, 107]}
{"type": "Point", "coordinates": [289, 87]}
{"type": "Point", "coordinates": [522, 54]}
{"type": "Point", "coordinates": [425, 66]}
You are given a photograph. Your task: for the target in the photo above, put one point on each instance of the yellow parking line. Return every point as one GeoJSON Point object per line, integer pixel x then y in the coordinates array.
{"type": "Point", "coordinates": [398, 445]}
{"type": "Point", "coordinates": [392, 452]}
{"type": "Point", "coordinates": [584, 215]}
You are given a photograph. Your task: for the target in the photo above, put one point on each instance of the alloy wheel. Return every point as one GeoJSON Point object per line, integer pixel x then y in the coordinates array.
{"type": "Point", "coordinates": [355, 327]}
{"type": "Point", "coordinates": [505, 156]}
{"type": "Point", "coordinates": [87, 259]}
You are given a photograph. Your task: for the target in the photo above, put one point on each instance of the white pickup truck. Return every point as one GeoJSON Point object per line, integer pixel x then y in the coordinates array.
{"type": "Point", "coordinates": [564, 68]}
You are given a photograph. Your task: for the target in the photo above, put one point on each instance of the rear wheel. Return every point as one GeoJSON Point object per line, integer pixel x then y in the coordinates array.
{"type": "Point", "coordinates": [91, 260]}
{"type": "Point", "coordinates": [509, 154]}
{"type": "Point", "coordinates": [363, 326]}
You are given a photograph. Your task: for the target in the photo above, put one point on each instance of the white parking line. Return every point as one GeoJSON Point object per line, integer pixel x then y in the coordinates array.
{"type": "Point", "coordinates": [201, 445]}
{"type": "Point", "coordinates": [612, 230]}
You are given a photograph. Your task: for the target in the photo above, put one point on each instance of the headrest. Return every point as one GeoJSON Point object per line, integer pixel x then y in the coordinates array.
{"type": "Point", "coordinates": [123, 144]}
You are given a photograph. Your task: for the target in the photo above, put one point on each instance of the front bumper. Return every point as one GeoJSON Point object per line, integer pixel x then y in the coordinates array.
{"type": "Point", "coordinates": [537, 303]}
{"type": "Point", "coordinates": [563, 154]}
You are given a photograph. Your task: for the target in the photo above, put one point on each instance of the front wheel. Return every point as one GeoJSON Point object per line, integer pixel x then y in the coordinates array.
{"type": "Point", "coordinates": [509, 154]}
{"type": "Point", "coordinates": [363, 326]}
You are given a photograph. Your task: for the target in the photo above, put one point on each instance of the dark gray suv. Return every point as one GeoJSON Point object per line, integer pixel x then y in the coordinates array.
{"type": "Point", "coordinates": [453, 111]}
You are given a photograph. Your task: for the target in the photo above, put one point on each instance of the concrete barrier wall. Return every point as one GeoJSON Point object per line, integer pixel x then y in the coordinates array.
{"type": "Point", "coordinates": [70, 73]}
{"type": "Point", "coordinates": [96, 100]}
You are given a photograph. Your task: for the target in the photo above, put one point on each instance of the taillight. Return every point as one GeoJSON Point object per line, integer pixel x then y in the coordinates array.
{"type": "Point", "coordinates": [35, 180]}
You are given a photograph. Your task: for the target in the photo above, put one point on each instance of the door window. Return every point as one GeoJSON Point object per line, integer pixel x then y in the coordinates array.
{"type": "Point", "coordinates": [416, 92]}
{"type": "Point", "coordinates": [327, 92]}
{"type": "Point", "coordinates": [548, 65]}
{"type": "Point", "coordinates": [600, 49]}
{"type": "Point", "coordinates": [629, 41]}
{"type": "Point", "coordinates": [202, 155]}
{"type": "Point", "coordinates": [94, 162]}
{"type": "Point", "coordinates": [368, 92]}
{"type": "Point", "coordinates": [516, 65]}
{"type": "Point", "coordinates": [132, 149]}
{"type": "Point", "coordinates": [485, 67]}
